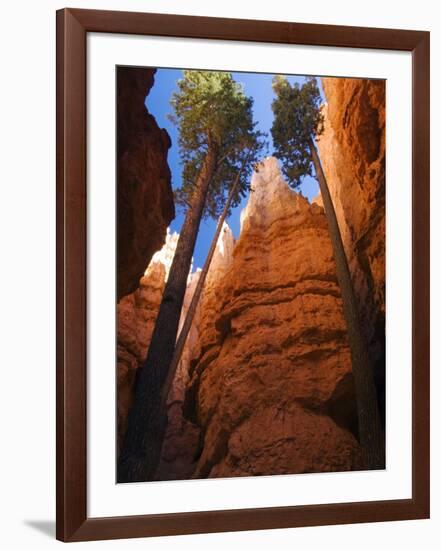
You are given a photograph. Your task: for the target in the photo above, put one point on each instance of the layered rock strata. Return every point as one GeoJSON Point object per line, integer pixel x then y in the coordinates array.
{"type": "Point", "coordinates": [271, 386]}
{"type": "Point", "coordinates": [144, 192]}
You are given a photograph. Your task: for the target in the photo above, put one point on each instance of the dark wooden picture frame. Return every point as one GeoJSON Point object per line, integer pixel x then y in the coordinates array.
{"type": "Point", "coordinates": [72, 521]}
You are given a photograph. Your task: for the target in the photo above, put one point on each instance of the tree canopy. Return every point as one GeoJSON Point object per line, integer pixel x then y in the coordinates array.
{"type": "Point", "coordinates": [297, 119]}
{"type": "Point", "coordinates": [211, 108]}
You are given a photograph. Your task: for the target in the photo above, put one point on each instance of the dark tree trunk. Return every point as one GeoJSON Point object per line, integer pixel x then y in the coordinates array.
{"type": "Point", "coordinates": [182, 338]}
{"type": "Point", "coordinates": [146, 427]}
{"type": "Point", "coordinates": [369, 422]}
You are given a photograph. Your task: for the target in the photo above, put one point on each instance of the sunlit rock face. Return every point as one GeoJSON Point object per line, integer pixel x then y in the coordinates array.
{"type": "Point", "coordinates": [144, 192]}
{"type": "Point", "coordinates": [352, 151]}
{"type": "Point", "coordinates": [271, 385]}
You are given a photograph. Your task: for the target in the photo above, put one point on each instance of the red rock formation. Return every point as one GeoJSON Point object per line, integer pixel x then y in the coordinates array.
{"type": "Point", "coordinates": [144, 193]}
{"type": "Point", "coordinates": [271, 384]}
{"type": "Point", "coordinates": [352, 151]}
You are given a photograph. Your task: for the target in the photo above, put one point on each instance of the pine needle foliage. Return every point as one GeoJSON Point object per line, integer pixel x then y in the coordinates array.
{"type": "Point", "coordinates": [297, 118]}
{"type": "Point", "coordinates": [211, 108]}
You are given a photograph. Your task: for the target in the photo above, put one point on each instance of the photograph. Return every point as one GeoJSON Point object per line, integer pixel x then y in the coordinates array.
{"type": "Point", "coordinates": [250, 274]}
{"type": "Point", "coordinates": [217, 247]}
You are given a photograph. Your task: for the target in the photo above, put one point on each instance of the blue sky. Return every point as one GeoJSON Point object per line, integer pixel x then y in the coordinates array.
{"type": "Point", "coordinates": [256, 85]}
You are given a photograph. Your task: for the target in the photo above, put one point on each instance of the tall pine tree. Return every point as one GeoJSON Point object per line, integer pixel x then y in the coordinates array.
{"type": "Point", "coordinates": [297, 120]}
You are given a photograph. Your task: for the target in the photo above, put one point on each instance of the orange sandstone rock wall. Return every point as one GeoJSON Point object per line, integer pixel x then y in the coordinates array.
{"type": "Point", "coordinates": [271, 385]}
{"type": "Point", "coordinates": [352, 151]}
{"type": "Point", "coordinates": [144, 192]}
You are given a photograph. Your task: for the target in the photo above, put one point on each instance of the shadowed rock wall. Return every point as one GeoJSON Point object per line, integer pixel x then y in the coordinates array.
{"type": "Point", "coordinates": [144, 195]}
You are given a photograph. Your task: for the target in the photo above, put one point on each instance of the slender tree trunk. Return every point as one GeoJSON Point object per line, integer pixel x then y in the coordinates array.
{"type": "Point", "coordinates": [183, 334]}
{"type": "Point", "coordinates": [142, 443]}
{"type": "Point", "coordinates": [369, 423]}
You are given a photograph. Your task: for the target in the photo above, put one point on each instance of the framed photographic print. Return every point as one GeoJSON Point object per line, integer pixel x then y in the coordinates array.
{"type": "Point", "coordinates": [242, 274]}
